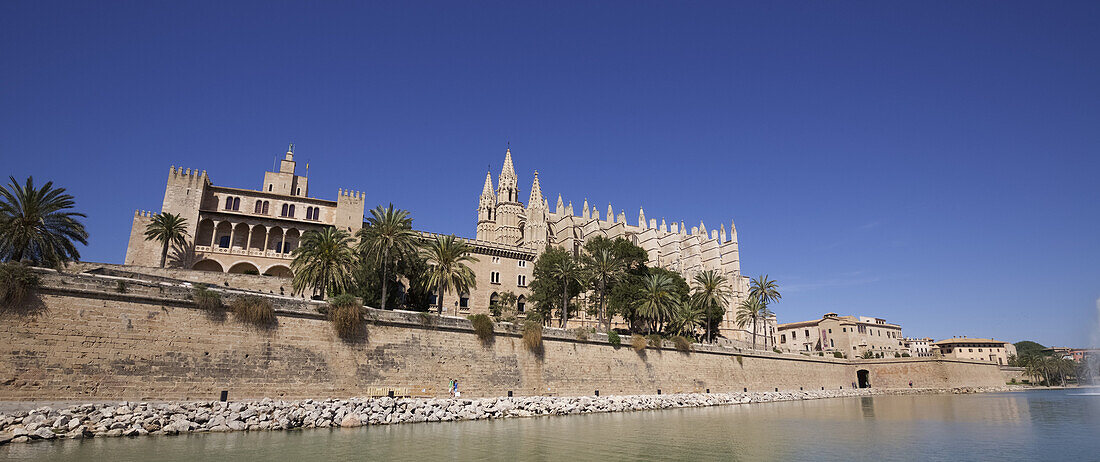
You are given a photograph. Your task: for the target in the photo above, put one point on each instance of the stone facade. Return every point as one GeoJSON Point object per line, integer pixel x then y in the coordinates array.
{"type": "Point", "coordinates": [850, 335]}
{"type": "Point", "coordinates": [243, 231]}
{"type": "Point", "coordinates": [982, 349]}
{"type": "Point", "coordinates": [503, 219]}
{"type": "Point", "coordinates": [918, 347]}
{"type": "Point", "coordinates": [152, 343]}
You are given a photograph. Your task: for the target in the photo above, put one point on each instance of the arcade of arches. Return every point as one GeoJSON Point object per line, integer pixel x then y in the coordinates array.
{"type": "Point", "coordinates": [227, 237]}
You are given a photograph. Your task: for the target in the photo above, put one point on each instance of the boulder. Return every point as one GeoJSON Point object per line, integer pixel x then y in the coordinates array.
{"type": "Point", "coordinates": [351, 420]}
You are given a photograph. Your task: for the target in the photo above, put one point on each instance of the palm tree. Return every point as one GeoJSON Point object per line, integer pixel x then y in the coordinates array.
{"type": "Point", "coordinates": [168, 229]}
{"type": "Point", "coordinates": [184, 256]}
{"type": "Point", "coordinates": [767, 291]}
{"type": "Point", "coordinates": [447, 257]}
{"type": "Point", "coordinates": [387, 237]}
{"type": "Point", "coordinates": [750, 310]}
{"type": "Point", "coordinates": [710, 294]}
{"type": "Point", "coordinates": [37, 226]}
{"type": "Point", "coordinates": [657, 298]}
{"type": "Point", "coordinates": [566, 271]}
{"type": "Point", "coordinates": [686, 320]}
{"type": "Point", "coordinates": [604, 267]}
{"type": "Point", "coordinates": [323, 262]}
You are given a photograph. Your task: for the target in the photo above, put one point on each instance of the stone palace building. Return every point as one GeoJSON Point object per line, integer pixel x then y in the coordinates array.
{"type": "Point", "coordinates": [248, 231]}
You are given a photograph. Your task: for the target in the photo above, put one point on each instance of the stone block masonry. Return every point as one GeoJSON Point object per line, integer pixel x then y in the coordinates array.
{"type": "Point", "coordinates": [91, 342]}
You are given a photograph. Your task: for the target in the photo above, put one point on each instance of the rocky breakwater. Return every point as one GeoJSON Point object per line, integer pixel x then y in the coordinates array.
{"type": "Point", "coordinates": [137, 419]}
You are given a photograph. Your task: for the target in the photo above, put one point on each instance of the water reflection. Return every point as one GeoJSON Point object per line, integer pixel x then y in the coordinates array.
{"type": "Point", "coordinates": [1042, 425]}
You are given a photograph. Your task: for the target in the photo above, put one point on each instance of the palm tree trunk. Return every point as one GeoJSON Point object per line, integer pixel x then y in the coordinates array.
{"type": "Point", "coordinates": [754, 333]}
{"type": "Point", "coordinates": [564, 304]}
{"type": "Point", "coordinates": [439, 299]}
{"type": "Point", "coordinates": [164, 254]}
{"type": "Point", "coordinates": [385, 263]}
{"type": "Point", "coordinates": [603, 304]}
{"type": "Point", "coordinates": [706, 315]}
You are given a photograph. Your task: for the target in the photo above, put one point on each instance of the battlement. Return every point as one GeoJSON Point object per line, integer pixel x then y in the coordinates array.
{"type": "Point", "coordinates": [350, 194]}
{"type": "Point", "coordinates": [144, 214]}
{"type": "Point", "coordinates": [174, 171]}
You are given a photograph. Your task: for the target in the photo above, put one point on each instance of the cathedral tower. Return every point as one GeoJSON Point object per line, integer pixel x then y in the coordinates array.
{"type": "Point", "coordinates": [508, 210]}
{"type": "Point", "coordinates": [486, 211]}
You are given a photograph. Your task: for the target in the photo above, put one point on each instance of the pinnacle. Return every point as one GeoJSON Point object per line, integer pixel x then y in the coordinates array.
{"type": "Point", "coordinates": [535, 199]}
{"type": "Point", "coordinates": [487, 190]}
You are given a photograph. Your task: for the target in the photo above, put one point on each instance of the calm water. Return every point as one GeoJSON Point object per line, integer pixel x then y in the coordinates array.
{"type": "Point", "coordinates": [1036, 425]}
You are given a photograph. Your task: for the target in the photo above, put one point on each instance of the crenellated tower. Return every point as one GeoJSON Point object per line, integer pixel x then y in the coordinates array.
{"type": "Point", "coordinates": [509, 211]}
{"type": "Point", "coordinates": [486, 211]}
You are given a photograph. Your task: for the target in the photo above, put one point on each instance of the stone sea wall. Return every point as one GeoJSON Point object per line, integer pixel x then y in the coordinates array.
{"type": "Point", "coordinates": [89, 339]}
{"type": "Point", "coordinates": [137, 419]}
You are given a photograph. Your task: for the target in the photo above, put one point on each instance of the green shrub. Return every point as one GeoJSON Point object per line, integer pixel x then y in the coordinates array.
{"type": "Point", "coordinates": [681, 343]}
{"type": "Point", "coordinates": [897, 355]}
{"type": "Point", "coordinates": [483, 327]}
{"type": "Point", "coordinates": [637, 342]}
{"type": "Point", "coordinates": [837, 354]}
{"type": "Point", "coordinates": [905, 355]}
{"type": "Point", "coordinates": [740, 360]}
{"type": "Point", "coordinates": [868, 354]}
{"type": "Point", "coordinates": [17, 283]}
{"type": "Point", "coordinates": [346, 314]}
{"type": "Point", "coordinates": [1013, 381]}
{"type": "Point", "coordinates": [776, 349]}
{"type": "Point", "coordinates": [120, 287]}
{"type": "Point", "coordinates": [581, 334]}
{"type": "Point", "coordinates": [532, 335]}
{"type": "Point", "coordinates": [821, 353]}
{"type": "Point", "coordinates": [654, 340]}
{"type": "Point", "coordinates": [613, 339]}
{"type": "Point", "coordinates": [253, 310]}
{"type": "Point", "coordinates": [207, 300]}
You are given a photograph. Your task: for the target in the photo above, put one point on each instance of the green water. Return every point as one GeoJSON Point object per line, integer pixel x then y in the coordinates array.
{"type": "Point", "coordinates": [1034, 425]}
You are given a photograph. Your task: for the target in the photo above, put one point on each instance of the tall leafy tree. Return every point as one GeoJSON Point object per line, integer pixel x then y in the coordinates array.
{"type": "Point", "coordinates": [168, 229]}
{"type": "Point", "coordinates": [567, 272]}
{"type": "Point", "coordinates": [619, 292]}
{"type": "Point", "coordinates": [546, 286]}
{"type": "Point", "coordinates": [710, 295]}
{"type": "Point", "coordinates": [447, 258]}
{"type": "Point", "coordinates": [657, 299]}
{"type": "Point", "coordinates": [324, 262]}
{"type": "Point", "coordinates": [604, 267]}
{"type": "Point", "coordinates": [767, 292]}
{"type": "Point", "coordinates": [385, 239]}
{"type": "Point", "coordinates": [38, 224]}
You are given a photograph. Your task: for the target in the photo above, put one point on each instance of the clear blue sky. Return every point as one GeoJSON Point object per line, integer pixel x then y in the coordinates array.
{"type": "Point", "coordinates": [933, 163]}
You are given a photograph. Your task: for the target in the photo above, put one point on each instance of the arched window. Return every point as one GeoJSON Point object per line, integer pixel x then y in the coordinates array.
{"type": "Point", "coordinates": [291, 212]}
{"type": "Point", "coordinates": [259, 207]}
{"type": "Point", "coordinates": [285, 208]}
{"type": "Point", "coordinates": [236, 203]}
{"type": "Point", "coordinates": [309, 213]}
{"type": "Point", "coordinates": [270, 186]}
{"type": "Point", "coordinates": [521, 304]}
{"type": "Point", "coordinates": [228, 203]}
{"type": "Point", "coordinates": [298, 192]}
{"type": "Point", "coordinates": [265, 208]}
